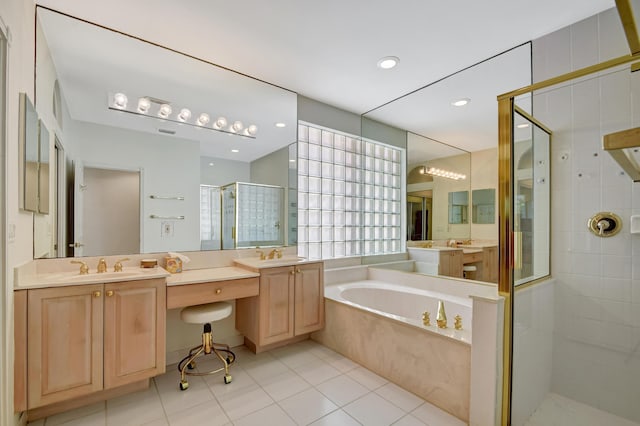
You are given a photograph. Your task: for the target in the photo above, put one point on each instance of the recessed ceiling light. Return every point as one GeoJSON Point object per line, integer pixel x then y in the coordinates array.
{"type": "Point", "coordinates": [388, 62]}
{"type": "Point", "coordinates": [281, 125]}
{"type": "Point", "coordinates": [235, 150]}
{"type": "Point", "coordinates": [211, 164]}
{"type": "Point", "coordinates": [522, 126]}
{"type": "Point", "coordinates": [461, 102]}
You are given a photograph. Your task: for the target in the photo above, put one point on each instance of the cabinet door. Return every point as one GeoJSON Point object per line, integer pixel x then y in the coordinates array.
{"type": "Point", "coordinates": [134, 333]}
{"type": "Point", "coordinates": [65, 339]}
{"type": "Point", "coordinates": [276, 304]}
{"type": "Point", "coordinates": [309, 289]}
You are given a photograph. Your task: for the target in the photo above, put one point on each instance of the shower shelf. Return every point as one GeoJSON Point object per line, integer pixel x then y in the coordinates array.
{"type": "Point", "coordinates": [624, 147]}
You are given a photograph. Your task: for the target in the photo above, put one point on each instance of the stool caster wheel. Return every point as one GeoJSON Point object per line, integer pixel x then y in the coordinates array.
{"type": "Point", "coordinates": [191, 365]}
{"type": "Point", "coordinates": [184, 385]}
{"type": "Point", "coordinates": [227, 379]}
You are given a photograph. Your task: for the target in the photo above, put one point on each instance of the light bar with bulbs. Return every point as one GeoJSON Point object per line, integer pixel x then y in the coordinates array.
{"type": "Point", "coordinates": [442, 173]}
{"type": "Point", "coordinates": [163, 111]}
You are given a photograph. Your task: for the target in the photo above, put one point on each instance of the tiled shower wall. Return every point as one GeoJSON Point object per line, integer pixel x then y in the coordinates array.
{"type": "Point", "coordinates": [596, 344]}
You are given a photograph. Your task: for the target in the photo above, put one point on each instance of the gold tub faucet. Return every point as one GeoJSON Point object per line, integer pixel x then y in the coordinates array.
{"type": "Point", "coordinates": [84, 269]}
{"type": "Point", "coordinates": [102, 266]}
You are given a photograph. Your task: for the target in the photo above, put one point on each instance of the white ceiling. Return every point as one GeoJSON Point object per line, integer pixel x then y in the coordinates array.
{"type": "Point", "coordinates": [327, 50]}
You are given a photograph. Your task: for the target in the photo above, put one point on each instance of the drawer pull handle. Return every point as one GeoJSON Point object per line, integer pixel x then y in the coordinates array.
{"type": "Point", "coordinates": [109, 293]}
{"type": "Point", "coordinates": [292, 272]}
{"type": "Point", "coordinates": [218, 291]}
{"type": "Point", "coordinates": [96, 294]}
{"type": "Point", "coordinates": [298, 270]}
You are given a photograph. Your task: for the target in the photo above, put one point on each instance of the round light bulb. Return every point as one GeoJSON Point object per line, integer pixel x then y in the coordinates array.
{"type": "Point", "coordinates": [165, 111]}
{"type": "Point", "coordinates": [237, 126]}
{"type": "Point", "coordinates": [143, 105]}
{"type": "Point", "coordinates": [251, 130]}
{"type": "Point", "coordinates": [220, 123]}
{"type": "Point", "coordinates": [184, 115]}
{"type": "Point", "coordinates": [203, 120]}
{"type": "Point", "coordinates": [120, 100]}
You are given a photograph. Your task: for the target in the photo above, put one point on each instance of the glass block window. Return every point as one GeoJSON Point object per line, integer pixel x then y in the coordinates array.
{"type": "Point", "coordinates": [209, 217]}
{"type": "Point", "coordinates": [349, 195]}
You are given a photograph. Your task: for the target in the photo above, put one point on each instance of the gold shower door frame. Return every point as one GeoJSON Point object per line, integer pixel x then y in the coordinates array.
{"type": "Point", "coordinates": [506, 248]}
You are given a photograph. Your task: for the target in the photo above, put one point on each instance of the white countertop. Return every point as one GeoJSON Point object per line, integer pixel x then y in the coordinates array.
{"type": "Point", "coordinates": [61, 279]}
{"type": "Point", "coordinates": [195, 276]}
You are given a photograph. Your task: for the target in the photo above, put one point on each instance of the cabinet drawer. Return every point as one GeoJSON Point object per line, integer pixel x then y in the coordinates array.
{"type": "Point", "coordinates": [473, 257]}
{"type": "Point", "coordinates": [197, 294]}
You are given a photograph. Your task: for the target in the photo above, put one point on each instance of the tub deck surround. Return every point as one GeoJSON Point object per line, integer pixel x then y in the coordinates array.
{"type": "Point", "coordinates": [451, 373]}
{"type": "Point", "coordinates": [434, 367]}
{"type": "Point", "coordinates": [406, 304]}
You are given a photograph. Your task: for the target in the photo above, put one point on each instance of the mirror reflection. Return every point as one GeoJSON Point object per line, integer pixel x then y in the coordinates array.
{"type": "Point", "coordinates": [142, 131]}
{"type": "Point", "coordinates": [454, 121]}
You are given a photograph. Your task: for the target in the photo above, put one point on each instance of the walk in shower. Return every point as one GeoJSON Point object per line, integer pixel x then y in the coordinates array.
{"type": "Point", "coordinates": [576, 333]}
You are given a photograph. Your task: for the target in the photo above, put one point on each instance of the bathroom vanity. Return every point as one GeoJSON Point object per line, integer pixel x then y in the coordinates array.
{"type": "Point", "coordinates": [83, 338]}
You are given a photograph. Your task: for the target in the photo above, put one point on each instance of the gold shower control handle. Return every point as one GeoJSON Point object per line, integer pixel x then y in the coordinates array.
{"type": "Point", "coordinates": [605, 224]}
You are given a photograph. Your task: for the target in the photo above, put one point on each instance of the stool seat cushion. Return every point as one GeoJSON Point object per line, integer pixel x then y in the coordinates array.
{"type": "Point", "coordinates": [201, 314]}
{"type": "Point", "coordinates": [469, 268]}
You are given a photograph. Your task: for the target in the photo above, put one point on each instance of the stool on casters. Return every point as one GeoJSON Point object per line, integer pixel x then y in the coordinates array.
{"type": "Point", "coordinates": [206, 314]}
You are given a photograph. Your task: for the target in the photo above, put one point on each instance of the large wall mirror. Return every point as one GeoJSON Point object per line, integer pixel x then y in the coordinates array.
{"type": "Point", "coordinates": [140, 131]}
{"type": "Point", "coordinates": [452, 157]}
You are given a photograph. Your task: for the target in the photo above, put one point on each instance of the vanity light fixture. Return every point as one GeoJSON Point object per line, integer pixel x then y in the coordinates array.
{"type": "Point", "coordinates": [203, 120]}
{"type": "Point", "coordinates": [388, 62]}
{"type": "Point", "coordinates": [251, 130]}
{"type": "Point", "coordinates": [280, 125]}
{"type": "Point", "coordinates": [184, 115]}
{"type": "Point", "coordinates": [164, 111]}
{"type": "Point", "coordinates": [442, 173]}
{"type": "Point", "coordinates": [220, 123]}
{"type": "Point", "coordinates": [461, 102]}
{"type": "Point", "coordinates": [237, 126]}
{"type": "Point", "coordinates": [143, 105]}
{"type": "Point", "coordinates": [235, 150]}
{"type": "Point", "coordinates": [157, 108]}
{"type": "Point", "coordinates": [120, 100]}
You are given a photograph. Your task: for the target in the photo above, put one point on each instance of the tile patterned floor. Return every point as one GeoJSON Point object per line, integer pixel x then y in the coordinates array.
{"type": "Point", "coordinates": [301, 384]}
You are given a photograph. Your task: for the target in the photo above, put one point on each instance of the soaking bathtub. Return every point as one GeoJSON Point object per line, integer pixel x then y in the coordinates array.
{"type": "Point", "coordinates": [379, 325]}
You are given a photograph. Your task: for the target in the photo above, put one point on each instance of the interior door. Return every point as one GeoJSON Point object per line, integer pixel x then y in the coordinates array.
{"type": "Point", "coordinates": [110, 211]}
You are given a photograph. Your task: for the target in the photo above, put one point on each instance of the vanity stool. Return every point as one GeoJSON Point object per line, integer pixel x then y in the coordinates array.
{"type": "Point", "coordinates": [206, 314]}
{"type": "Point", "coordinates": [469, 272]}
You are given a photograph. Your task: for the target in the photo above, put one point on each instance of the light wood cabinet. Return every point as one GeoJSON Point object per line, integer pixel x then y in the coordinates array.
{"type": "Point", "coordinates": [450, 263]}
{"type": "Point", "coordinates": [290, 304]}
{"type": "Point", "coordinates": [134, 332]}
{"type": "Point", "coordinates": [64, 343]}
{"type": "Point", "coordinates": [86, 338]}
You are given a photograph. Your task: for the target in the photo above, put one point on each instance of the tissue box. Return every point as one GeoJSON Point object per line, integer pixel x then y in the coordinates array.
{"type": "Point", "coordinates": [173, 264]}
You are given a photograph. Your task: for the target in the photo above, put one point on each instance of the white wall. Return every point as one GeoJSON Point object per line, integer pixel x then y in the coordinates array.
{"type": "Point", "coordinates": [17, 16]}
{"type": "Point", "coordinates": [223, 171]}
{"type": "Point", "coordinates": [484, 175]}
{"type": "Point", "coordinates": [596, 349]}
{"type": "Point", "coordinates": [170, 167]}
